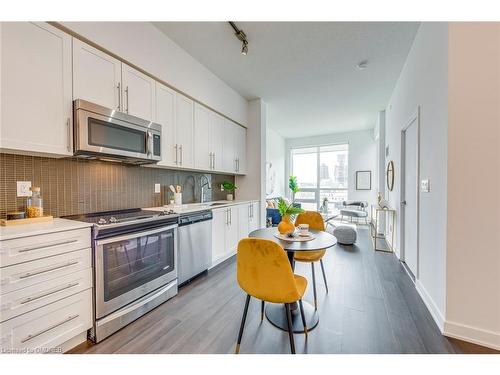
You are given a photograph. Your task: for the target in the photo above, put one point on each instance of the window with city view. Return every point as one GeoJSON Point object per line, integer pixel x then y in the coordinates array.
{"type": "Point", "coordinates": [321, 173]}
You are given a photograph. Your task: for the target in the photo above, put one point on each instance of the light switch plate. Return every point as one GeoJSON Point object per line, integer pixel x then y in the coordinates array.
{"type": "Point", "coordinates": [425, 186]}
{"type": "Point", "coordinates": [157, 188]}
{"type": "Point", "coordinates": [23, 188]}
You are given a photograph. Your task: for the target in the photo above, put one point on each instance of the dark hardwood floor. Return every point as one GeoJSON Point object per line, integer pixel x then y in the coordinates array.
{"type": "Point", "coordinates": [372, 307]}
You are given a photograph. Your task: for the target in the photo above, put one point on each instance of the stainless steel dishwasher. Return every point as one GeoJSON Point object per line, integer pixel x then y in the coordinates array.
{"type": "Point", "coordinates": [194, 253]}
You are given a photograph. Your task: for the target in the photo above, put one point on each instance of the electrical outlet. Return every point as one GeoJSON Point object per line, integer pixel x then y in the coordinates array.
{"type": "Point", "coordinates": [425, 186]}
{"type": "Point", "coordinates": [157, 188]}
{"type": "Point", "coordinates": [23, 188]}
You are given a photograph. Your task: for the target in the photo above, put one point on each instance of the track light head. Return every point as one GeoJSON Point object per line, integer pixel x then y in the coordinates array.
{"type": "Point", "coordinates": [244, 49]}
{"type": "Point", "coordinates": [240, 34]}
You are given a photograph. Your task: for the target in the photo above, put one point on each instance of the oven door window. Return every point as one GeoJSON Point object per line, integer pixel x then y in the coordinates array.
{"type": "Point", "coordinates": [109, 135]}
{"type": "Point", "coordinates": [130, 263]}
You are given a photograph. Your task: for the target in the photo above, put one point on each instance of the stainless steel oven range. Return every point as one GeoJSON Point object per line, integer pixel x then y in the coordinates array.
{"type": "Point", "coordinates": [135, 265]}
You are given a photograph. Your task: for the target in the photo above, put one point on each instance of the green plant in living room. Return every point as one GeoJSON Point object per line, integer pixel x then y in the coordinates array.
{"type": "Point", "coordinates": [230, 187]}
{"type": "Point", "coordinates": [286, 210]}
{"type": "Point", "coordinates": [293, 185]}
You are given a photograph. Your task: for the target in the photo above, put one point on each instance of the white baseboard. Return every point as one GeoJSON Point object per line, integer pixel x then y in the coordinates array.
{"type": "Point", "coordinates": [474, 335]}
{"type": "Point", "coordinates": [436, 314]}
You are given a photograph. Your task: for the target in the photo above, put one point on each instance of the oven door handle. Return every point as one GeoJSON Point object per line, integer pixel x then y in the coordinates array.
{"type": "Point", "coordinates": [135, 235]}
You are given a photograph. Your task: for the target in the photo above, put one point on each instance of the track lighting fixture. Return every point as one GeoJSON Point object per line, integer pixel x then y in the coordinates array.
{"type": "Point", "coordinates": [240, 34]}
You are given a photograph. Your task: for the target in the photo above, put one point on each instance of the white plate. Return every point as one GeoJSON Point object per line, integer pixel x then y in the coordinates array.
{"type": "Point", "coordinates": [293, 239]}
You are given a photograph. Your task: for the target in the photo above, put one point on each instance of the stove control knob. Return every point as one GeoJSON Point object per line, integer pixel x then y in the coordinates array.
{"type": "Point", "coordinates": [101, 221]}
{"type": "Point", "coordinates": [112, 219]}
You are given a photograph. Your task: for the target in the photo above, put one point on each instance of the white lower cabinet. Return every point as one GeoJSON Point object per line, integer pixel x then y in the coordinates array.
{"type": "Point", "coordinates": [229, 226]}
{"type": "Point", "coordinates": [225, 234]}
{"type": "Point", "coordinates": [49, 326]}
{"type": "Point", "coordinates": [253, 216]}
{"type": "Point", "coordinates": [243, 220]}
{"type": "Point", "coordinates": [45, 290]}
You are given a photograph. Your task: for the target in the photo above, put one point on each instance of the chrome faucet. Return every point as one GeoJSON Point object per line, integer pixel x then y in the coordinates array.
{"type": "Point", "coordinates": [204, 184]}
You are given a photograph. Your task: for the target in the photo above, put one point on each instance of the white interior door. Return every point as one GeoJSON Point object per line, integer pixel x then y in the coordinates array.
{"type": "Point", "coordinates": [410, 196]}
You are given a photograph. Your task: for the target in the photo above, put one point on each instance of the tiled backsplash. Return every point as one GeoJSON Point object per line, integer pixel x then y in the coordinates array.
{"type": "Point", "coordinates": [76, 186]}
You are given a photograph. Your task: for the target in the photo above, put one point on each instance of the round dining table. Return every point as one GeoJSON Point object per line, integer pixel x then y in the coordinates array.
{"type": "Point", "coordinates": [275, 313]}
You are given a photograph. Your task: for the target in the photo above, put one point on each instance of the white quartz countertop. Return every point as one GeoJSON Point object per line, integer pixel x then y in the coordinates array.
{"type": "Point", "coordinates": [26, 230]}
{"type": "Point", "coordinates": [196, 207]}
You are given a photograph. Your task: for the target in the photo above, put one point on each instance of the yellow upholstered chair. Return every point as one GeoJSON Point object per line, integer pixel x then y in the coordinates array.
{"type": "Point", "coordinates": [316, 222]}
{"type": "Point", "coordinates": [264, 272]}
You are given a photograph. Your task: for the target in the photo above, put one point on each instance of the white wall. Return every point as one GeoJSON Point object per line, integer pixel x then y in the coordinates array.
{"type": "Point", "coordinates": [473, 256]}
{"type": "Point", "coordinates": [275, 156]}
{"type": "Point", "coordinates": [423, 82]}
{"type": "Point", "coordinates": [362, 157]}
{"type": "Point", "coordinates": [144, 45]}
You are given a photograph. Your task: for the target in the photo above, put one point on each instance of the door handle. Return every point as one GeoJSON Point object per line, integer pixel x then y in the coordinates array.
{"type": "Point", "coordinates": [182, 156]}
{"type": "Point", "coordinates": [210, 160]}
{"type": "Point", "coordinates": [175, 148]}
{"type": "Point", "coordinates": [149, 140]}
{"type": "Point", "coordinates": [213, 155]}
{"type": "Point", "coordinates": [403, 203]}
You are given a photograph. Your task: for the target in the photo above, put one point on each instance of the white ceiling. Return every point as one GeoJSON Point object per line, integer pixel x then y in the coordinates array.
{"type": "Point", "coordinates": [305, 71]}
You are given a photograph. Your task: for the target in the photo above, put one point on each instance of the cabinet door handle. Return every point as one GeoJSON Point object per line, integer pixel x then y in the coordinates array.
{"type": "Point", "coordinates": [33, 335]}
{"type": "Point", "coordinates": [182, 156]}
{"type": "Point", "coordinates": [119, 96]}
{"type": "Point", "coordinates": [45, 245]}
{"type": "Point", "coordinates": [210, 160]}
{"type": "Point", "coordinates": [175, 148]}
{"type": "Point", "coordinates": [68, 133]}
{"type": "Point", "coordinates": [30, 274]}
{"type": "Point", "coordinates": [126, 92]}
{"type": "Point", "coordinates": [213, 155]}
{"type": "Point", "coordinates": [31, 299]}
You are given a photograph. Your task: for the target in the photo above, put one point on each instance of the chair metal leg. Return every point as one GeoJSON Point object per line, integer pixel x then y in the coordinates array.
{"type": "Point", "coordinates": [324, 274]}
{"type": "Point", "coordinates": [262, 310]}
{"type": "Point", "coordinates": [243, 319]}
{"type": "Point", "coordinates": [290, 329]}
{"type": "Point", "coordinates": [314, 286]}
{"type": "Point", "coordinates": [303, 316]}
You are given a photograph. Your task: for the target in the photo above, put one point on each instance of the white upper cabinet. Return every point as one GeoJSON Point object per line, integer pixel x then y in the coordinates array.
{"type": "Point", "coordinates": [36, 106]}
{"type": "Point", "coordinates": [138, 93]}
{"type": "Point", "coordinates": [96, 76]}
{"type": "Point", "coordinates": [184, 116]}
{"type": "Point", "coordinates": [240, 141]}
{"type": "Point", "coordinates": [202, 154]}
{"type": "Point", "coordinates": [216, 140]}
{"type": "Point", "coordinates": [165, 115]}
{"type": "Point", "coordinates": [101, 79]}
{"type": "Point", "coordinates": [228, 152]}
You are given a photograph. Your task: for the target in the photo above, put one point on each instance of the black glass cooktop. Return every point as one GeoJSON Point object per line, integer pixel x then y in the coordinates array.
{"type": "Point", "coordinates": [120, 216]}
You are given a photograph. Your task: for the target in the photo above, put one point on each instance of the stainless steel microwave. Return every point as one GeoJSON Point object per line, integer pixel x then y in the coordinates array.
{"type": "Point", "coordinates": [107, 134]}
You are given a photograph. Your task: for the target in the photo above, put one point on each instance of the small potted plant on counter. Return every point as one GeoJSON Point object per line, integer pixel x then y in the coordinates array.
{"type": "Point", "coordinates": [230, 188]}
{"type": "Point", "coordinates": [286, 211]}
